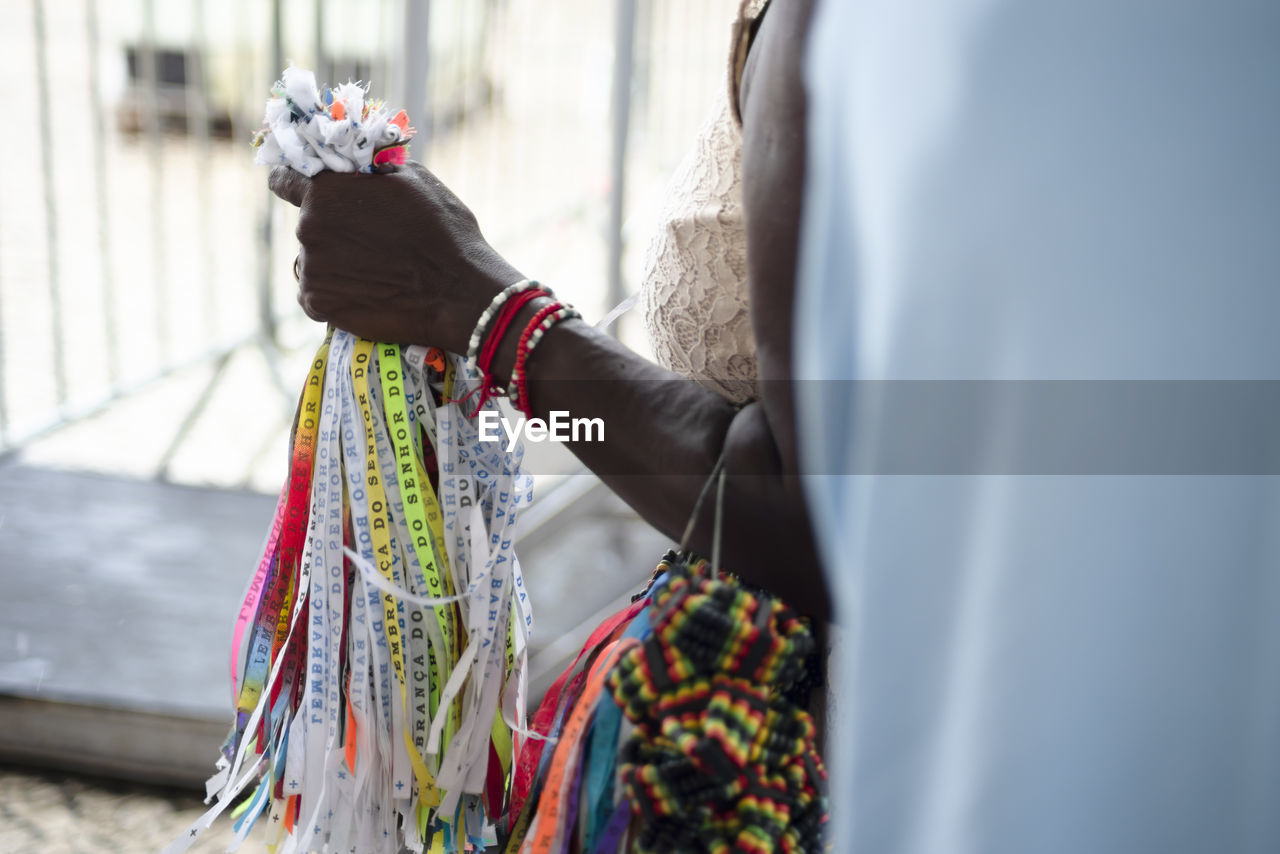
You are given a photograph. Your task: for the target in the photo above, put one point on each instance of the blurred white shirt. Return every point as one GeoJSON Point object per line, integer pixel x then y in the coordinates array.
{"type": "Point", "coordinates": [1031, 191]}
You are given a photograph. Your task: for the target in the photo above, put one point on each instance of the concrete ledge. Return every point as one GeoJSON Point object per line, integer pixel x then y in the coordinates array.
{"type": "Point", "coordinates": [130, 744]}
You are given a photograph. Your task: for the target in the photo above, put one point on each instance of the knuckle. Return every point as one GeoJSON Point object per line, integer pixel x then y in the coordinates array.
{"type": "Point", "coordinates": [306, 229]}
{"type": "Point", "coordinates": [309, 307]}
{"type": "Point", "coordinates": [285, 183]}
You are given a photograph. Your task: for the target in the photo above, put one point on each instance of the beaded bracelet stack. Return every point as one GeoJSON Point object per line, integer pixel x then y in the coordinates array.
{"type": "Point", "coordinates": [547, 317]}
{"type": "Point", "coordinates": [492, 327]}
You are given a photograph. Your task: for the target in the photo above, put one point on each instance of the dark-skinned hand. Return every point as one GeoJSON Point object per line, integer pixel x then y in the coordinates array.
{"type": "Point", "coordinates": [393, 256]}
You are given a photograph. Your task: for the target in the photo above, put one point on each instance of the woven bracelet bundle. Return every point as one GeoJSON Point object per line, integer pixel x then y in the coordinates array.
{"type": "Point", "coordinates": [677, 729]}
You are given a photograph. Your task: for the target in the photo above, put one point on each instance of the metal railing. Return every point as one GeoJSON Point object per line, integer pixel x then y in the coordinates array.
{"type": "Point", "coordinates": [138, 241]}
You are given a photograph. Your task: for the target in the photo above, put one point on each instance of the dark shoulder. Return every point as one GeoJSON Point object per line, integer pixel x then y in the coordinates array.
{"type": "Point", "coordinates": [774, 54]}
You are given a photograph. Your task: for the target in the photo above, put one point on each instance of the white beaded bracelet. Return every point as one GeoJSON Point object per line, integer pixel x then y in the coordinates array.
{"type": "Point", "coordinates": [477, 334]}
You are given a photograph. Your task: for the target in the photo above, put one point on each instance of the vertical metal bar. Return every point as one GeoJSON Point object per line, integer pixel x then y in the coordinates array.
{"type": "Point", "coordinates": [381, 62]}
{"type": "Point", "coordinates": [50, 202]}
{"type": "Point", "coordinates": [266, 315]}
{"type": "Point", "coordinates": [415, 53]}
{"type": "Point", "coordinates": [245, 73]}
{"type": "Point", "coordinates": [147, 62]}
{"type": "Point", "coordinates": [323, 72]}
{"type": "Point", "coordinates": [239, 42]}
{"type": "Point", "coordinates": [197, 104]}
{"type": "Point", "coordinates": [501, 45]}
{"type": "Point", "coordinates": [467, 38]}
{"type": "Point", "coordinates": [96, 113]}
{"type": "Point", "coordinates": [642, 72]}
{"type": "Point", "coordinates": [624, 46]}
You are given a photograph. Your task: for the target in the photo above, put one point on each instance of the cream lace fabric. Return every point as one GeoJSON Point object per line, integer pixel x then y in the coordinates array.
{"type": "Point", "coordinates": [696, 306]}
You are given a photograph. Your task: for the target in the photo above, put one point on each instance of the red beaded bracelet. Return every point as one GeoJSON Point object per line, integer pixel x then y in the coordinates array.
{"type": "Point", "coordinates": [519, 394]}
{"type": "Point", "coordinates": [510, 308]}
{"type": "Point", "coordinates": [500, 326]}
{"type": "Point", "coordinates": [546, 318]}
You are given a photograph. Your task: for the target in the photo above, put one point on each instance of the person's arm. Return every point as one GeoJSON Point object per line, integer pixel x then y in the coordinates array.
{"type": "Point", "coordinates": [399, 258]}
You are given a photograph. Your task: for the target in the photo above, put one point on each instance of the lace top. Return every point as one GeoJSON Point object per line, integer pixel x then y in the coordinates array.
{"type": "Point", "coordinates": [697, 309]}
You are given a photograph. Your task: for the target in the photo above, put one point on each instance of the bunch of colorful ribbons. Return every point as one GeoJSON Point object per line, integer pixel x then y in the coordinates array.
{"type": "Point", "coordinates": [378, 660]}
{"type": "Point", "coordinates": [683, 699]}
{"type": "Point", "coordinates": [338, 130]}
{"type": "Point", "coordinates": [377, 663]}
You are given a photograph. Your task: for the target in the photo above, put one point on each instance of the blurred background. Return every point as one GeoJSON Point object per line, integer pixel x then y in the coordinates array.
{"type": "Point", "coordinates": [151, 349]}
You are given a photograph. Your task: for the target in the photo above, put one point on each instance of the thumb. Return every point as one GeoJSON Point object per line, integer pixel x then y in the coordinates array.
{"type": "Point", "coordinates": [289, 185]}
